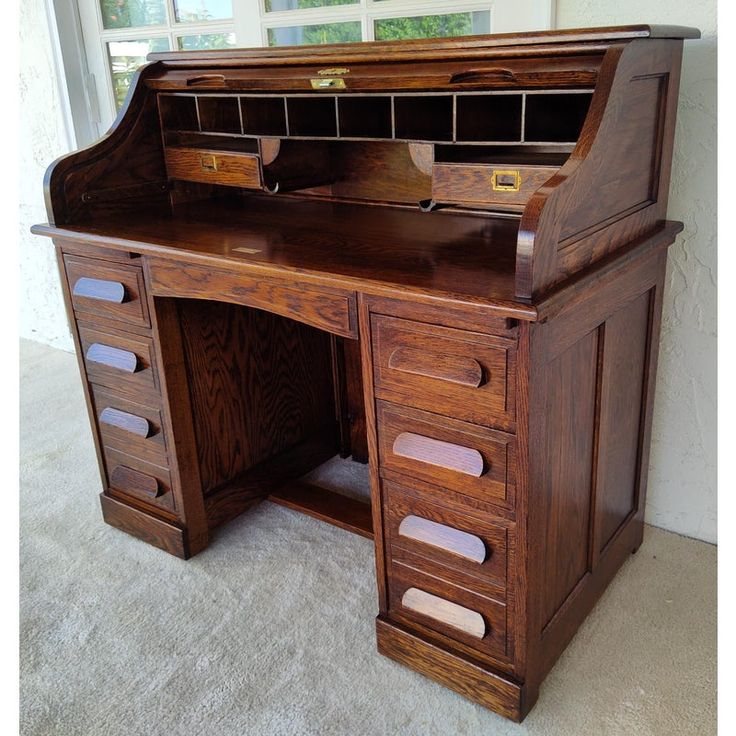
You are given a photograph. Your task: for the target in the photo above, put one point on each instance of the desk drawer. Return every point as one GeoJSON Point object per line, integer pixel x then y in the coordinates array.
{"type": "Point", "coordinates": [138, 479]}
{"type": "Point", "coordinates": [214, 167]}
{"type": "Point", "coordinates": [129, 427]}
{"type": "Point", "coordinates": [106, 289]}
{"type": "Point", "coordinates": [472, 461]}
{"type": "Point", "coordinates": [120, 361]}
{"type": "Point", "coordinates": [460, 548]}
{"type": "Point", "coordinates": [448, 371]}
{"type": "Point", "coordinates": [454, 612]}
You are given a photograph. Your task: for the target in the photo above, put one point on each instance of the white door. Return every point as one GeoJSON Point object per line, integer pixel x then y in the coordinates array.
{"type": "Point", "coordinates": [119, 33]}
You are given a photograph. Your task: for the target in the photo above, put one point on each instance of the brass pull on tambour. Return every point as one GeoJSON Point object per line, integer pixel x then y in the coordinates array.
{"type": "Point", "coordinates": [459, 369]}
{"type": "Point", "coordinates": [443, 537]}
{"type": "Point", "coordinates": [328, 83]}
{"type": "Point", "coordinates": [102, 289]}
{"type": "Point", "coordinates": [446, 612]}
{"type": "Point", "coordinates": [125, 421]}
{"type": "Point", "coordinates": [442, 454]}
{"type": "Point", "coordinates": [112, 357]}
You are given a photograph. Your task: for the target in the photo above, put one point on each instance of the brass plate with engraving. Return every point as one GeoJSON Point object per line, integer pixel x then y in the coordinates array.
{"type": "Point", "coordinates": [333, 71]}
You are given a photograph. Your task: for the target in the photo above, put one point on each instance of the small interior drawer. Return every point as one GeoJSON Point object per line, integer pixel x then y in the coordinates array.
{"type": "Point", "coordinates": [470, 183]}
{"type": "Point", "coordinates": [467, 375]}
{"type": "Point", "coordinates": [131, 476]}
{"type": "Point", "coordinates": [455, 612]}
{"type": "Point", "coordinates": [130, 427]}
{"type": "Point", "coordinates": [461, 548]}
{"type": "Point", "coordinates": [214, 167]}
{"type": "Point", "coordinates": [472, 461]}
{"type": "Point", "coordinates": [120, 361]}
{"type": "Point", "coordinates": [105, 289]}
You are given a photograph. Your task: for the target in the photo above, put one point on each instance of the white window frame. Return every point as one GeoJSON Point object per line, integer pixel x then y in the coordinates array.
{"type": "Point", "coordinates": [251, 22]}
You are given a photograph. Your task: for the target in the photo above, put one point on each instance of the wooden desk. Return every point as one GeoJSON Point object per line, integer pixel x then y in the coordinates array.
{"type": "Point", "coordinates": [444, 258]}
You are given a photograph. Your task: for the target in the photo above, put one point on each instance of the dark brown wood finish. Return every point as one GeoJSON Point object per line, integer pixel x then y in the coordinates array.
{"type": "Point", "coordinates": [449, 264]}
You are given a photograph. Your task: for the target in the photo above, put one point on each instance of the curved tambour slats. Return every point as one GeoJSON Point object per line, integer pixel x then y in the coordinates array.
{"type": "Point", "coordinates": [102, 289]}
{"type": "Point", "coordinates": [133, 481]}
{"type": "Point", "coordinates": [112, 357]}
{"type": "Point", "coordinates": [125, 421]}
{"type": "Point", "coordinates": [459, 369]}
{"type": "Point", "coordinates": [448, 613]}
{"type": "Point", "coordinates": [445, 455]}
{"type": "Point", "coordinates": [447, 538]}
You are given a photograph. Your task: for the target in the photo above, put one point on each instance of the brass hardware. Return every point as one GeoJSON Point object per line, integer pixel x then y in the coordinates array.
{"type": "Point", "coordinates": [328, 83]}
{"type": "Point", "coordinates": [505, 181]}
{"type": "Point", "coordinates": [208, 162]}
{"type": "Point", "coordinates": [333, 71]}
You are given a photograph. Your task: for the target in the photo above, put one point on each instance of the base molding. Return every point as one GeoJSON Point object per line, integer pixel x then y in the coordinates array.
{"type": "Point", "coordinates": [147, 528]}
{"type": "Point", "coordinates": [470, 679]}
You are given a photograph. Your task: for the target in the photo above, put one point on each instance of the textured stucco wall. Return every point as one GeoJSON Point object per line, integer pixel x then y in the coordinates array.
{"type": "Point", "coordinates": [42, 139]}
{"type": "Point", "coordinates": [682, 477]}
{"type": "Point", "coordinates": [682, 481]}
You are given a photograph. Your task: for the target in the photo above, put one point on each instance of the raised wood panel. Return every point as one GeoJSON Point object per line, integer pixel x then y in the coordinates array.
{"type": "Point", "coordinates": [328, 309]}
{"type": "Point", "coordinates": [625, 337]}
{"type": "Point", "coordinates": [258, 383]}
{"type": "Point", "coordinates": [491, 455]}
{"type": "Point", "coordinates": [570, 382]}
{"type": "Point", "coordinates": [463, 374]}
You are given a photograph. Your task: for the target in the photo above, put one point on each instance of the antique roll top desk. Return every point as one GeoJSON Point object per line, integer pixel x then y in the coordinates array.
{"type": "Point", "coordinates": [444, 258]}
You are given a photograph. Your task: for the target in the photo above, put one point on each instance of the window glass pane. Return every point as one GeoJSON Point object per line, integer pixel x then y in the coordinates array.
{"type": "Point", "coordinates": [191, 11]}
{"type": "Point", "coordinates": [310, 35]}
{"type": "Point", "coordinates": [433, 26]}
{"type": "Point", "coordinates": [206, 41]}
{"type": "Point", "coordinates": [132, 13]}
{"type": "Point", "coordinates": [276, 6]}
{"type": "Point", "coordinates": [125, 58]}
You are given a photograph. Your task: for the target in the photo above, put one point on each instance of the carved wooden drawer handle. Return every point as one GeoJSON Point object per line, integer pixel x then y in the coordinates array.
{"type": "Point", "coordinates": [124, 360]}
{"type": "Point", "coordinates": [463, 370]}
{"type": "Point", "coordinates": [442, 454]}
{"type": "Point", "coordinates": [106, 291]}
{"type": "Point", "coordinates": [135, 482]}
{"type": "Point", "coordinates": [446, 538]}
{"type": "Point", "coordinates": [450, 614]}
{"type": "Point", "coordinates": [125, 421]}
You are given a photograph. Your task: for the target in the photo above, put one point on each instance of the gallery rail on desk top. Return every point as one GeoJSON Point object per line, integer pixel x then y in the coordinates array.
{"type": "Point", "coordinates": [443, 258]}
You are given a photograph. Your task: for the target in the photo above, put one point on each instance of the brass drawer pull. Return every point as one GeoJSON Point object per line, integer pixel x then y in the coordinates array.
{"type": "Point", "coordinates": [446, 538]}
{"type": "Point", "coordinates": [125, 421]}
{"type": "Point", "coordinates": [442, 454]}
{"type": "Point", "coordinates": [106, 291]}
{"type": "Point", "coordinates": [124, 360]}
{"type": "Point", "coordinates": [446, 612]}
{"type": "Point", "coordinates": [462, 370]}
{"type": "Point", "coordinates": [132, 481]}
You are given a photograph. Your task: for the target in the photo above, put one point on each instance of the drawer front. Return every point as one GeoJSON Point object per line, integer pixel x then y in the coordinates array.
{"type": "Point", "coordinates": [326, 308]}
{"type": "Point", "coordinates": [461, 548]}
{"type": "Point", "coordinates": [131, 476]}
{"type": "Point", "coordinates": [129, 427]}
{"type": "Point", "coordinates": [447, 371]}
{"type": "Point", "coordinates": [472, 461]}
{"type": "Point", "coordinates": [106, 289]}
{"type": "Point", "coordinates": [214, 167]}
{"type": "Point", "coordinates": [487, 184]}
{"type": "Point", "coordinates": [447, 609]}
{"type": "Point", "coordinates": [124, 362]}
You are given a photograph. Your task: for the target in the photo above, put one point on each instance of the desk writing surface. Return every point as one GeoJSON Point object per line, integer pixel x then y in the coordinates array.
{"type": "Point", "coordinates": [447, 254]}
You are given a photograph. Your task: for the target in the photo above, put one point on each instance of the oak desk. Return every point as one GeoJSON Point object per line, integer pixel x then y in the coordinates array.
{"type": "Point", "coordinates": [444, 258]}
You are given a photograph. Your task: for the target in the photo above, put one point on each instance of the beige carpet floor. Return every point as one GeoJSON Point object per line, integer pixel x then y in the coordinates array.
{"type": "Point", "coordinates": [270, 630]}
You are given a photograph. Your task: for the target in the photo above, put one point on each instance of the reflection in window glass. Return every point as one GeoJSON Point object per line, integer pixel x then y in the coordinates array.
{"type": "Point", "coordinates": [125, 58]}
{"type": "Point", "coordinates": [433, 26]}
{"type": "Point", "coordinates": [316, 34]}
{"type": "Point", "coordinates": [206, 41]}
{"type": "Point", "coordinates": [132, 13]}
{"type": "Point", "coordinates": [276, 6]}
{"type": "Point", "coordinates": [192, 11]}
